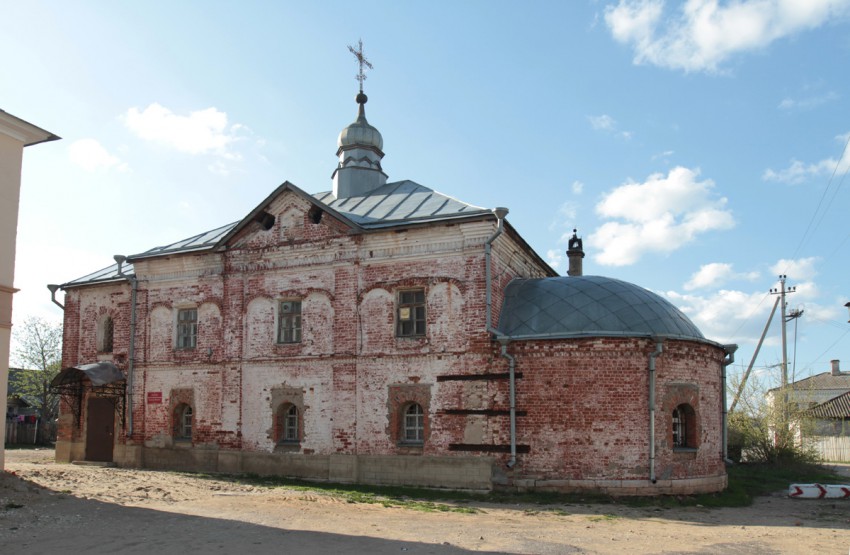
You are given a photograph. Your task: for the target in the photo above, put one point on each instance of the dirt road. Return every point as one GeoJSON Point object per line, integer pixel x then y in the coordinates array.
{"type": "Point", "coordinates": [60, 508]}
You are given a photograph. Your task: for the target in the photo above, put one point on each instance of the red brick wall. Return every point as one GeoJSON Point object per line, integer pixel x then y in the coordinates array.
{"type": "Point", "coordinates": [583, 403]}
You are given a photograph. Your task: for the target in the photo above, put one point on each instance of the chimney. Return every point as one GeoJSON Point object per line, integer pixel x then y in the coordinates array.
{"type": "Point", "coordinates": [836, 370]}
{"type": "Point", "coordinates": [575, 254]}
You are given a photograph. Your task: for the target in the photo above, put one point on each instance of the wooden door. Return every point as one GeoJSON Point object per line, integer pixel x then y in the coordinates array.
{"type": "Point", "coordinates": [100, 429]}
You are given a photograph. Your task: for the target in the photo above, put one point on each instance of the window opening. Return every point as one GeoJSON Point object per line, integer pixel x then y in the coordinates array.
{"type": "Point", "coordinates": [411, 313]}
{"type": "Point", "coordinates": [679, 432]}
{"type": "Point", "coordinates": [684, 426]}
{"type": "Point", "coordinates": [413, 424]}
{"type": "Point", "coordinates": [187, 328]}
{"type": "Point", "coordinates": [290, 425]}
{"type": "Point", "coordinates": [184, 422]}
{"type": "Point", "coordinates": [289, 322]}
{"type": "Point", "coordinates": [108, 335]}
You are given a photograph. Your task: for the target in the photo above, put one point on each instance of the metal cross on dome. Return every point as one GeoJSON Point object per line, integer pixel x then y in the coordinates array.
{"type": "Point", "coordinates": [361, 59]}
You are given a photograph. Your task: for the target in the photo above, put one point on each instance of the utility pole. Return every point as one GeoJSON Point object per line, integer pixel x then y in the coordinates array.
{"type": "Point", "coordinates": [782, 291]}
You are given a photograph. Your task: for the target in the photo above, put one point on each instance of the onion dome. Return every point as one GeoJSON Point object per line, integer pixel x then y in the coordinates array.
{"type": "Point", "coordinates": [360, 133]}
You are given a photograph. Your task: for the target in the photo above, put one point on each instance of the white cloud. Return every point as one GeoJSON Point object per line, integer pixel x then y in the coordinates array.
{"type": "Point", "coordinates": [801, 269]}
{"type": "Point", "coordinates": [567, 214]}
{"type": "Point", "coordinates": [609, 124]}
{"type": "Point", "coordinates": [660, 215]}
{"type": "Point", "coordinates": [92, 156]}
{"type": "Point", "coordinates": [201, 132]}
{"type": "Point", "coordinates": [709, 274]}
{"type": "Point", "coordinates": [577, 187]}
{"type": "Point", "coordinates": [725, 315]}
{"type": "Point", "coordinates": [716, 274]}
{"type": "Point", "coordinates": [702, 34]}
{"type": "Point", "coordinates": [807, 103]}
{"type": "Point", "coordinates": [603, 122]}
{"type": "Point", "coordinates": [554, 258]}
{"type": "Point", "coordinates": [800, 172]}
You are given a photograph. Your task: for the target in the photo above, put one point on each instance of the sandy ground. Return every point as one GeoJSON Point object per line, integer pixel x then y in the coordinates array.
{"type": "Point", "coordinates": [61, 508]}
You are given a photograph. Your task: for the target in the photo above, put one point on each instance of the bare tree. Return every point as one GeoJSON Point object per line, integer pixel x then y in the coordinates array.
{"type": "Point", "coordinates": [38, 353]}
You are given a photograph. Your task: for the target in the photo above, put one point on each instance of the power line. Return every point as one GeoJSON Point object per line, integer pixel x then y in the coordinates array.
{"type": "Point", "coordinates": [820, 202]}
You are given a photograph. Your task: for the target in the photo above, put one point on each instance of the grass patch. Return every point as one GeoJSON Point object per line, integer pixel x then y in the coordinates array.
{"type": "Point", "coordinates": [603, 518]}
{"type": "Point", "coordinates": [746, 482]}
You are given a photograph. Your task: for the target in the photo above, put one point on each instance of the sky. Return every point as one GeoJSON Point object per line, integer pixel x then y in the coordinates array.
{"type": "Point", "coordinates": [698, 147]}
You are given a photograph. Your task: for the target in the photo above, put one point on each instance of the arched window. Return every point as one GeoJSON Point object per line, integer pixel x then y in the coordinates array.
{"type": "Point", "coordinates": [684, 427]}
{"type": "Point", "coordinates": [288, 425]}
{"type": "Point", "coordinates": [413, 424]}
{"type": "Point", "coordinates": [183, 422]}
{"type": "Point", "coordinates": [105, 335]}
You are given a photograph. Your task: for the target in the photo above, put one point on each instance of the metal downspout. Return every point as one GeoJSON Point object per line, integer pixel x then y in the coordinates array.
{"type": "Point", "coordinates": [659, 348]}
{"type": "Point", "coordinates": [131, 351]}
{"type": "Point", "coordinates": [511, 370]}
{"type": "Point", "coordinates": [724, 424]}
{"type": "Point", "coordinates": [53, 289]}
{"type": "Point", "coordinates": [500, 213]}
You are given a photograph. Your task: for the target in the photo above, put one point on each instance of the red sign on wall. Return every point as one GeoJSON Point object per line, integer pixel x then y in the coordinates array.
{"type": "Point", "coordinates": [154, 397]}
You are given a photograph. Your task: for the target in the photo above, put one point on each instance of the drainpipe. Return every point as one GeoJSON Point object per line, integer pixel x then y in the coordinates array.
{"type": "Point", "coordinates": [500, 213]}
{"type": "Point", "coordinates": [131, 354]}
{"type": "Point", "coordinates": [512, 367]}
{"type": "Point", "coordinates": [53, 289]}
{"type": "Point", "coordinates": [730, 358]}
{"type": "Point", "coordinates": [659, 348]}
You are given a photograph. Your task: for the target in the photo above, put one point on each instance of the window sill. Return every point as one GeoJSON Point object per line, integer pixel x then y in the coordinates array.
{"type": "Point", "coordinates": [288, 447]}
{"type": "Point", "coordinates": [182, 443]}
{"type": "Point", "coordinates": [685, 452]}
{"type": "Point", "coordinates": [410, 448]}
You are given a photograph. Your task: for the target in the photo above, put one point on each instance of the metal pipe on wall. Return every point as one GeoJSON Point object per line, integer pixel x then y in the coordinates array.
{"type": "Point", "coordinates": [659, 348]}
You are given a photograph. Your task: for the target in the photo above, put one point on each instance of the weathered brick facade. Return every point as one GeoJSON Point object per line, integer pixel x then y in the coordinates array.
{"type": "Point", "coordinates": [347, 396]}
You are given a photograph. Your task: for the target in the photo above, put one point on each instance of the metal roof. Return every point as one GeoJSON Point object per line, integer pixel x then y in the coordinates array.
{"type": "Point", "coordinates": [100, 373]}
{"type": "Point", "coordinates": [839, 407]}
{"type": "Point", "coordinates": [399, 203]}
{"type": "Point", "coordinates": [825, 381]}
{"type": "Point", "coordinates": [588, 306]}
{"type": "Point", "coordinates": [110, 273]}
{"type": "Point", "coordinates": [202, 241]}
{"type": "Point", "coordinates": [394, 204]}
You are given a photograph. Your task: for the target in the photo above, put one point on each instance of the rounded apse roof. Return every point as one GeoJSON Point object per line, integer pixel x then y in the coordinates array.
{"type": "Point", "coordinates": [587, 306]}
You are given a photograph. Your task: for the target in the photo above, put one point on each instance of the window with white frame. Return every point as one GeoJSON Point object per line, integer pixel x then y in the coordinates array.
{"type": "Point", "coordinates": [684, 427]}
{"type": "Point", "coordinates": [413, 424]}
{"type": "Point", "coordinates": [187, 328]}
{"type": "Point", "coordinates": [679, 431]}
{"type": "Point", "coordinates": [183, 422]}
{"type": "Point", "coordinates": [288, 431]}
{"type": "Point", "coordinates": [289, 322]}
{"type": "Point", "coordinates": [411, 313]}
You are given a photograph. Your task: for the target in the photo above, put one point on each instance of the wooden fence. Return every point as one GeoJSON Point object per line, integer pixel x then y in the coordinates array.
{"type": "Point", "coordinates": [831, 448]}
{"type": "Point", "coordinates": [29, 433]}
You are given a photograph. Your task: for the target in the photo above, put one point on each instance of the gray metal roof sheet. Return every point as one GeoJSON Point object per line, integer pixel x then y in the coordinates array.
{"type": "Point", "coordinates": [399, 203]}
{"type": "Point", "coordinates": [110, 273]}
{"type": "Point", "coordinates": [394, 204]}
{"type": "Point", "coordinates": [839, 407]}
{"type": "Point", "coordinates": [205, 240]}
{"type": "Point", "coordinates": [589, 306]}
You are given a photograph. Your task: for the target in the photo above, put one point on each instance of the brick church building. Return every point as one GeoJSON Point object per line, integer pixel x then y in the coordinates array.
{"type": "Point", "coordinates": [385, 333]}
